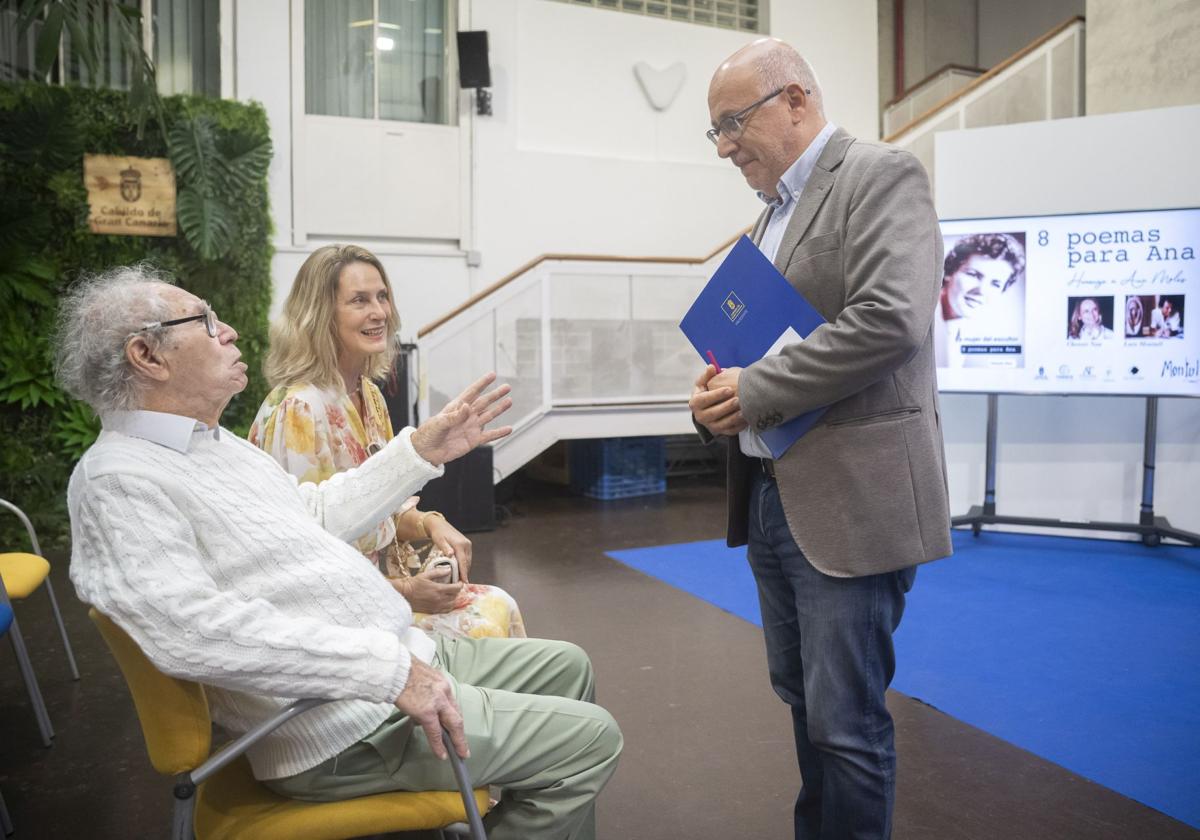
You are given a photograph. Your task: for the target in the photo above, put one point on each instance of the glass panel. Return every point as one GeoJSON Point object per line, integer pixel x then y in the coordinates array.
{"type": "Point", "coordinates": [187, 46]}
{"type": "Point", "coordinates": [411, 43]}
{"type": "Point", "coordinates": [664, 361]}
{"type": "Point", "coordinates": [519, 352]}
{"type": "Point", "coordinates": [460, 360]}
{"type": "Point", "coordinates": [339, 58]}
{"type": "Point", "coordinates": [734, 14]}
{"type": "Point", "coordinates": [591, 345]}
{"type": "Point", "coordinates": [16, 51]}
{"type": "Point", "coordinates": [113, 68]}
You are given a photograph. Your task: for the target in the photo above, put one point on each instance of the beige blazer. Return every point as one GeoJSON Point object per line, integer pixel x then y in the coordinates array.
{"type": "Point", "coordinates": [865, 490]}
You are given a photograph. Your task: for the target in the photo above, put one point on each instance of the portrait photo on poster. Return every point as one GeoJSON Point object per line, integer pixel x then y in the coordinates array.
{"type": "Point", "coordinates": [980, 315]}
{"type": "Point", "coordinates": [1137, 316]}
{"type": "Point", "coordinates": [1166, 318]}
{"type": "Point", "coordinates": [1090, 318]}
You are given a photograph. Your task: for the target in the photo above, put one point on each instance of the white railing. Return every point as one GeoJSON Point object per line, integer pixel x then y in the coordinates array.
{"type": "Point", "coordinates": [590, 345]}
{"type": "Point", "coordinates": [1044, 81]}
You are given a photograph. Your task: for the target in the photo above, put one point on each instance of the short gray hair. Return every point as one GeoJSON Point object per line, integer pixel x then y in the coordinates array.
{"type": "Point", "coordinates": [782, 65]}
{"type": "Point", "coordinates": [95, 320]}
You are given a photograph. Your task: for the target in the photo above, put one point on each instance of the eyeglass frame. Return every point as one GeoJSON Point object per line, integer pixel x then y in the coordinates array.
{"type": "Point", "coordinates": [737, 120]}
{"type": "Point", "coordinates": [208, 316]}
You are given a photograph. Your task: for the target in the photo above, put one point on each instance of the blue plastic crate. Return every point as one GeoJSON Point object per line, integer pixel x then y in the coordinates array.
{"type": "Point", "coordinates": [619, 468]}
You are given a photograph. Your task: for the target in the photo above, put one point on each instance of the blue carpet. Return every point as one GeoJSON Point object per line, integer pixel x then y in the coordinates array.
{"type": "Point", "coordinates": [1085, 652]}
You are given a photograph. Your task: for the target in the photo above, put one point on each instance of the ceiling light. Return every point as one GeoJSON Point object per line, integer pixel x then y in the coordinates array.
{"type": "Point", "coordinates": [384, 43]}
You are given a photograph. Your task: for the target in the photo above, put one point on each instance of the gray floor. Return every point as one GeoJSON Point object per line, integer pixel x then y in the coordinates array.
{"type": "Point", "coordinates": [708, 749]}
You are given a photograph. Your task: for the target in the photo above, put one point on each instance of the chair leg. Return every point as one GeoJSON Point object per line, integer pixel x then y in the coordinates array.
{"type": "Point", "coordinates": [184, 797]}
{"type": "Point", "coordinates": [6, 825]}
{"type": "Point", "coordinates": [31, 686]}
{"type": "Point", "coordinates": [62, 629]}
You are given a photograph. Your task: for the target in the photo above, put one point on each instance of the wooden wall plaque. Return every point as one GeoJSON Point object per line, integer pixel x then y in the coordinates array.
{"type": "Point", "coordinates": [130, 196]}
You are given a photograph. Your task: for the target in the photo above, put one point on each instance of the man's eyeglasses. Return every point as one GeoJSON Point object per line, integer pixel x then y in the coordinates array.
{"type": "Point", "coordinates": [207, 316]}
{"type": "Point", "coordinates": [733, 125]}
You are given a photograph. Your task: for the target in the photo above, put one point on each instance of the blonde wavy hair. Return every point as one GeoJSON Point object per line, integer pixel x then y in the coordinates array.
{"type": "Point", "coordinates": [304, 345]}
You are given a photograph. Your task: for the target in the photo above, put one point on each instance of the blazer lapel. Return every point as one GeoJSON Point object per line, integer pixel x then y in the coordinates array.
{"type": "Point", "coordinates": [820, 182]}
{"type": "Point", "coordinates": [760, 227]}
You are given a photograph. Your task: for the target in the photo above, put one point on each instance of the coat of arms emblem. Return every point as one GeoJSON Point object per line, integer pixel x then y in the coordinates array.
{"type": "Point", "coordinates": [131, 184]}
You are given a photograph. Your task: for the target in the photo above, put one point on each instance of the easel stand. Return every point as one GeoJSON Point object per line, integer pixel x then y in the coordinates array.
{"type": "Point", "coordinates": [1152, 529]}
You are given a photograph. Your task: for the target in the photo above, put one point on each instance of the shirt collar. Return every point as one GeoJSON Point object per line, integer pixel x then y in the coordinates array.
{"type": "Point", "coordinates": [171, 430]}
{"type": "Point", "coordinates": [792, 183]}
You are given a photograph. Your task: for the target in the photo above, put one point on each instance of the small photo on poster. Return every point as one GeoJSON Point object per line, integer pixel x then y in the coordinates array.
{"type": "Point", "coordinates": [1166, 319]}
{"type": "Point", "coordinates": [1137, 315]}
{"type": "Point", "coordinates": [980, 317]}
{"type": "Point", "coordinates": [1090, 318]}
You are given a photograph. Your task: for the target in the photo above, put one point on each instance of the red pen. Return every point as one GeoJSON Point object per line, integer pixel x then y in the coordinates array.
{"type": "Point", "coordinates": [713, 359]}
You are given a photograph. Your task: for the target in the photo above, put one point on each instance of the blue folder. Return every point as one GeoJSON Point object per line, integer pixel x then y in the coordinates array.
{"type": "Point", "coordinates": [739, 316]}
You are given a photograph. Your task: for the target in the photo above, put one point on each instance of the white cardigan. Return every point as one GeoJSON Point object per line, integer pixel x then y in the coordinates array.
{"type": "Point", "coordinates": [227, 572]}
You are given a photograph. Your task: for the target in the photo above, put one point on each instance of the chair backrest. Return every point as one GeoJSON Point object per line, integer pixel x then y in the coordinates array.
{"type": "Point", "coordinates": [6, 617]}
{"type": "Point", "coordinates": [173, 712]}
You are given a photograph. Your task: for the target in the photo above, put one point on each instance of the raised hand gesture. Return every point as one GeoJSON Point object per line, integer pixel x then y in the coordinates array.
{"type": "Point", "coordinates": [459, 427]}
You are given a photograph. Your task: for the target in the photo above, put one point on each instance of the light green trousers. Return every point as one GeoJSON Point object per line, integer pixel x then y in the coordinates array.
{"type": "Point", "coordinates": [532, 728]}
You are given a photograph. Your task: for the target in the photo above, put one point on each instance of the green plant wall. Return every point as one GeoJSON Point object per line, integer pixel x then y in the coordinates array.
{"type": "Point", "coordinates": [45, 245]}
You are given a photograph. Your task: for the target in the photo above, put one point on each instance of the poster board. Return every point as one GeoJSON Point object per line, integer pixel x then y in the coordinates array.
{"type": "Point", "coordinates": [1094, 303]}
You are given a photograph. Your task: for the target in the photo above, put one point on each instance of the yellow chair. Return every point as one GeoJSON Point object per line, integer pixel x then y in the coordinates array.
{"type": "Point", "coordinates": [217, 797]}
{"type": "Point", "coordinates": [20, 574]}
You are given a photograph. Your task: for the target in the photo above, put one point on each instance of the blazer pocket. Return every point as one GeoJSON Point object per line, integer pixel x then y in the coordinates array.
{"type": "Point", "coordinates": [815, 246]}
{"type": "Point", "coordinates": [877, 417]}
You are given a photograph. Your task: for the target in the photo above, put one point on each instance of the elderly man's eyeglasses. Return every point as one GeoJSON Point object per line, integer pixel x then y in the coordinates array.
{"type": "Point", "coordinates": [733, 125]}
{"type": "Point", "coordinates": [207, 316]}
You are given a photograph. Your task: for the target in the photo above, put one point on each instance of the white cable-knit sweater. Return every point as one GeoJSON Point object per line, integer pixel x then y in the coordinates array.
{"type": "Point", "coordinates": [227, 572]}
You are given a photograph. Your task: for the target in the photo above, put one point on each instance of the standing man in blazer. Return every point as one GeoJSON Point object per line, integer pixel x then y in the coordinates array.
{"type": "Point", "coordinates": [836, 526]}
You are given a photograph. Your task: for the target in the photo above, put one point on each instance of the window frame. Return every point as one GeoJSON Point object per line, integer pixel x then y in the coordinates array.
{"type": "Point", "coordinates": [449, 92]}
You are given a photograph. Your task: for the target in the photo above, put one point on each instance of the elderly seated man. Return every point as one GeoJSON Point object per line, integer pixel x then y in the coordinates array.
{"type": "Point", "coordinates": [227, 572]}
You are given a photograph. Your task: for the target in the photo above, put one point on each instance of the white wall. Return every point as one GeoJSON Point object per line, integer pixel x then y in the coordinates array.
{"type": "Point", "coordinates": [1073, 457]}
{"type": "Point", "coordinates": [1142, 55]}
{"type": "Point", "coordinates": [840, 40]}
{"type": "Point", "coordinates": [573, 159]}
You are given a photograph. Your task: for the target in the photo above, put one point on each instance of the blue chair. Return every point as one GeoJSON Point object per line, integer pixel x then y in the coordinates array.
{"type": "Point", "coordinates": [6, 620]}
{"type": "Point", "coordinates": [20, 574]}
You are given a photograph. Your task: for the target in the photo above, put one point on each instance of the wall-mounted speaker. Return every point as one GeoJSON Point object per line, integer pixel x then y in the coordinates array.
{"type": "Point", "coordinates": [473, 69]}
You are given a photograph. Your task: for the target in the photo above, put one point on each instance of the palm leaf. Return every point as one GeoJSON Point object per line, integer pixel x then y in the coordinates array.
{"type": "Point", "coordinates": [46, 49]}
{"type": "Point", "coordinates": [207, 223]}
{"type": "Point", "coordinates": [192, 145]}
{"type": "Point", "coordinates": [245, 159]}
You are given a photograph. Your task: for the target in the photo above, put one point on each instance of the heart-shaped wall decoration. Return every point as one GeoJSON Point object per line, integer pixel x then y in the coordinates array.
{"type": "Point", "coordinates": [660, 86]}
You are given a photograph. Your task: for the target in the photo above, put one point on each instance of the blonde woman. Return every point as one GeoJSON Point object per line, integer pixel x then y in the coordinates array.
{"type": "Point", "coordinates": [324, 415]}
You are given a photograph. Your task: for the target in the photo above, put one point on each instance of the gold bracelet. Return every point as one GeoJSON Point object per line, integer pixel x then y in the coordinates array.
{"type": "Point", "coordinates": [421, 522]}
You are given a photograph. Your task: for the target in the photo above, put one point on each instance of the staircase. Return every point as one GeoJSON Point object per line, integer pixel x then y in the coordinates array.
{"type": "Point", "coordinates": [590, 345]}
{"type": "Point", "coordinates": [1043, 81]}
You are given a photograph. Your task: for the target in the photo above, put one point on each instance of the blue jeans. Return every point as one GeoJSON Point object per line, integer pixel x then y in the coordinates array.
{"type": "Point", "coordinates": [830, 657]}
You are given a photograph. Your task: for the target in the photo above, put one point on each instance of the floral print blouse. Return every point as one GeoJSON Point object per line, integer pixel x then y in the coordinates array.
{"type": "Point", "coordinates": [315, 433]}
